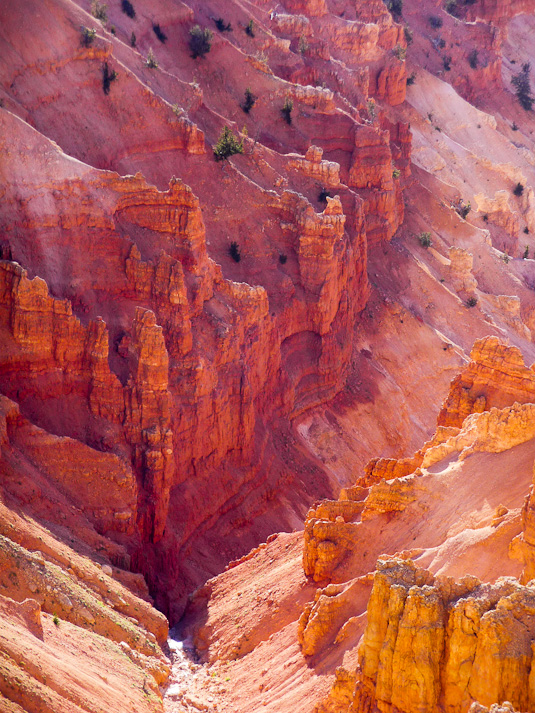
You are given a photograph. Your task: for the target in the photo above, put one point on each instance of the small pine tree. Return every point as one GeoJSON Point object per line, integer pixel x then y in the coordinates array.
{"type": "Point", "coordinates": [108, 76]}
{"type": "Point", "coordinates": [88, 35]}
{"type": "Point", "coordinates": [522, 87]}
{"type": "Point", "coordinates": [249, 102]}
{"type": "Point", "coordinates": [451, 7]}
{"type": "Point", "coordinates": [100, 11]}
{"type": "Point", "coordinates": [302, 45]}
{"type": "Point", "coordinates": [227, 145]}
{"type": "Point", "coordinates": [160, 34]}
{"type": "Point", "coordinates": [526, 253]}
{"type": "Point", "coordinates": [133, 39]}
{"type": "Point", "coordinates": [128, 8]}
{"type": "Point", "coordinates": [473, 58]}
{"type": "Point", "coordinates": [151, 61]}
{"type": "Point", "coordinates": [200, 41]}
{"type": "Point", "coordinates": [222, 26]}
{"type": "Point", "coordinates": [463, 208]}
{"type": "Point", "coordinates": [395, 7]}
{"type": "Point", "coordinates": [287, 110]}
{"type": "Point", "coordinates": [249, 29]}
{"type": "Point", "coordinates": [234, 252]}
{"type": "Point", "coordinates": [400, 52]}
{"type": "Point", "coordinates": [425, 239]}
{"type": "Point", "coordinates": [518, 189]}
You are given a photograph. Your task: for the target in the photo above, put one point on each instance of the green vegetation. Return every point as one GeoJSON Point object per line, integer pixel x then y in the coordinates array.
{"type": "Point", "coordinates": [408, 34]}
{"type": "Point", "coordinates": [222, 26]}
{"type": "Point", "coordinates": [151, 60]}
{"type": "Point", "coordinates": [446, 62]}
{"type": "Point", "coordinates": [400, 52]}
{"type": "Point", "coordinates": [249, 28]}
{"type": "Point", "coordinates": [55, 619]}
{"type": "Point", "coordinates": [303, 45]}
{"type": "Point", "coordinates": [227, 145]}
{"type": "Point", "coordinates": [88, 35]}
{"type": "Point", "coordinates": [287, 110]}
{"type": "Point", "coordinates": [435, 22]}
{"type": "Point", "coordinates": [160, 34]}
{"type": "Point", "coordinates": [395, 7]}
{"type": "Point", "coordinates": [128, 8]}
{"type": "Point", "coordinates": [411, 79]}
{"type": "Point", "coordinates": [471, 301]}
{"type": "Point", "coordinates": [249, 102]}
{"type": "Point", "coordinates": [396, 173]}
{"type": "Point", "coordinates": [518, 189]}
{"type": "Point", "coordinates": [283, 258]}
{"type": "Point", "coordinates": [473, 59]}
{"type": "Point", "coordinates": [234, 252]}
{"type": "Point", "coordinates": [200, 41]}
{"type": "Point", "coordinates": [99, 10]}
{"type": "Point", "coordinates": [133, 39]}
{"type": "Point", "coordinates": [463, 208]}
{"type": "Point", "coordinates": [522, 87]}
{"type": "Point", "coordinates": [526, 253]}
{"type": "Point", "coordinates": [108, 76]}
{"type": "Point", "coordinates": [425, 239]}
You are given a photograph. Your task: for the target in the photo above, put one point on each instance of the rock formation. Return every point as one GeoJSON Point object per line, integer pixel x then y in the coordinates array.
{"type": "Point", "coordinates": [495, 376]}
{"type": "Point", "coordinates": [173, 348]}
{"type": "Point", "coordinates": [436, 644]}
{"type": "Point", "coordinates": [193, 351]}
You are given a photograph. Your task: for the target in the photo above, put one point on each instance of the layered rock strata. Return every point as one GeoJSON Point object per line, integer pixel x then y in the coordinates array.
{"type": "Point", "coordinates": [126, 347]}
{"type": "Point", "coordinates": [495, 376]}
{"type": "Point", "coordinates": [435, 644]}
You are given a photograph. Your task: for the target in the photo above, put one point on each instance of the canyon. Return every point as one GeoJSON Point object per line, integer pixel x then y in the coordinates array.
{"type": "Point", "coordinates": [266, 423]}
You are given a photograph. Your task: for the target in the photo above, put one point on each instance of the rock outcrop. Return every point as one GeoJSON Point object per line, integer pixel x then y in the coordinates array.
{"type": "Point", "coordinates": [436, 644]}
{"type": "Point", "coordinates": [163, 339]}
{"type": "Point", "coordinates": [141, 352]}
{"type": "Point", "coordinates": [495, 376]}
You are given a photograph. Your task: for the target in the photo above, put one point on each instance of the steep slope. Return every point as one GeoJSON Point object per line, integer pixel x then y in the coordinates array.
{"type": "Point", "coordinates": [207, 348]}
{"type": "Point", "coordinates": [458, 511]}
{"type": "Point", "coordinates": [193, 351]}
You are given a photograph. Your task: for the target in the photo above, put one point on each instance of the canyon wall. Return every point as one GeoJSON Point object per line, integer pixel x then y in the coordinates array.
{"type": "Point", "coordinates": [123, 336]}
{"type": "Point", "coordinates": [193, 351]}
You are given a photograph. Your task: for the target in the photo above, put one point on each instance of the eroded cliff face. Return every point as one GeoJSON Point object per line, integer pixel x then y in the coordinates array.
{"type": "Point", "coordinates": [192, 352]}
{"type": "Point", "coordinates": [437, 644]}
{"type": "Point", "coordinates": [143, 351]}
{"type": "Point", "coordinates": [417, 581]}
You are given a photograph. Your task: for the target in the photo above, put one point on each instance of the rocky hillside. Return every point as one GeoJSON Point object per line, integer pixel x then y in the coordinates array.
{"type": "Point", "coordinates": [245, 248]}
